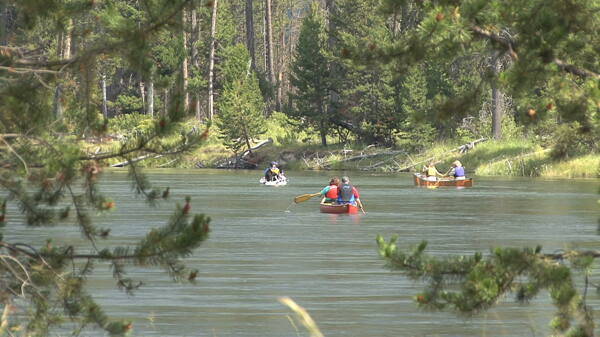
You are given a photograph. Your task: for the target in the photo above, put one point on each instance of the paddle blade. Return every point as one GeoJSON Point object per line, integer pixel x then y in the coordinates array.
{"type": "Point", "coordinates": [304, 197]}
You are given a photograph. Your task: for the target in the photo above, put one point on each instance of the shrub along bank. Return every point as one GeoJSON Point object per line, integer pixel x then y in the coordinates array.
{"type": "Point", "coordinates": [300, 150]}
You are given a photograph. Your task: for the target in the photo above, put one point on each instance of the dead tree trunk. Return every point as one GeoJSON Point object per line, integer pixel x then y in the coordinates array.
{"type": "Point", "coordinates": [196, 58]}
{"type": "Point", "coordinates": [104, 105]}
{"type": "Point", "coordinates": [184, 65]}
{"type": "Point", "coordinates": [269, 41]}
{"type": "Point", "coordinates": [250, 32]}
{"type": "Point", "coordinates": [331, 42]}
{"type": "Point", "coordinates": [150, 98]}
{"type": "Point", "coordinates": [142, 95]}
{"type": "Point", "coordinates": [211, 61]}
{"type": "Point", "coordinates": [497, 102]}
{"type": "Point", "coordinates": [166, 102]}
{"type": "Point", "coordinates": [66, 54]}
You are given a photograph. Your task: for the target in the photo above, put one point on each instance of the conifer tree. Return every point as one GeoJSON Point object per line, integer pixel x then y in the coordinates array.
{"type": "Point", "coordinates": [50, 177]}
{"type": "Point", "coordinates": [367, 94]}
{"type": "Point", "coordinates": [310, 75]}
{"type": "Point", "coordinates": [552, 46]}
{"type": "Point", "coordinates": [554, 70]}
{"type": "Point", "coordinates": [241, 107]}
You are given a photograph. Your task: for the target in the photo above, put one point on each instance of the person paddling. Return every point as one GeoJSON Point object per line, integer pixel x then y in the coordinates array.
{"type": "Point", "coordinates": [273, 172]}
{"type": "Point", "coordinates": [431, 172]}
{"type": "Point", "coordinates": [348, 194]}
{"type": "Point", "coordinates": [330, 192]}
{"type": "Point", "coordinates": [457, 171]}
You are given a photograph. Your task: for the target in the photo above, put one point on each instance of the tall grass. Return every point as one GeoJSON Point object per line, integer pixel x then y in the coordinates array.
{"type": "Point", "coordinates": [581, 167]}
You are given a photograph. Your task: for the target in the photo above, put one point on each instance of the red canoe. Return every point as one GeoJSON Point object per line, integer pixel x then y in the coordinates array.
{"type": "Point", "coordinates": [420, 180]}
{"type": "Point", "coordinates": [338, 209]}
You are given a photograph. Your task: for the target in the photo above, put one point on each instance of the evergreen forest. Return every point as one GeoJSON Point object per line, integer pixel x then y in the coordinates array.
{"type": "Point", "coordinates": [88, 84]}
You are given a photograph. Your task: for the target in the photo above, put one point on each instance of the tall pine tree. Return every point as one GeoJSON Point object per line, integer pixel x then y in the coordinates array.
{"type": "Point", "coordinates": [240, 118]}
{"type": "Point", "coordinates": [51, 177]}
{"type": "Point", "coordinates": [310, 75]}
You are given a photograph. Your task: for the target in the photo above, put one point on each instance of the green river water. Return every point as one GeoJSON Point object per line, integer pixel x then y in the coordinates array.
{"type": "Point", "coordinates": [327, 263]}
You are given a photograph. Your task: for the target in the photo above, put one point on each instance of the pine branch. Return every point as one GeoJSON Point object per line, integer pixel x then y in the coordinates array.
{"type": "Point", "coordinates": [509, 44]}
{"type": "Point", "coordinates": [102, 48]}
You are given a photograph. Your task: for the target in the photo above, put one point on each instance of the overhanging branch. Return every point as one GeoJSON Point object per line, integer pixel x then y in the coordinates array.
{"type": "Point", "coordinates": [509, 44]}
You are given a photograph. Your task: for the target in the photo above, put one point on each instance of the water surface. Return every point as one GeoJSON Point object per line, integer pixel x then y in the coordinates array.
{"type": "Point", "coordinates": [328, 264]}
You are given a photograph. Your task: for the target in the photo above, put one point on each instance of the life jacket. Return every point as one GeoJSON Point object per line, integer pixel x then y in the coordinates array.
{"type": "Point", "coordinates": [332, 193]}
{"type": "Point", "coordinates": [459, 171]}
{"type": "Point", "coordinates": [275, 170]}
{"type": "Point", "coordinates": [431, 171]}
{"type": "Point", "coordinates": [346, 193]}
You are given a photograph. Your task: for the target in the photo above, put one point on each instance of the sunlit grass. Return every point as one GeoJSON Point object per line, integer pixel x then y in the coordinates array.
{"type": "Point", "coordinates": [581, 167]}
{"type": "Point", "coordinates": [302, 316]}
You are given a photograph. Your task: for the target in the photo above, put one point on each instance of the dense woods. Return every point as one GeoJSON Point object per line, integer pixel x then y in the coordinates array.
{"type": "Point", "coordinates": [152, 76]}
{"type": "Point", "coordinates": [392, 73]}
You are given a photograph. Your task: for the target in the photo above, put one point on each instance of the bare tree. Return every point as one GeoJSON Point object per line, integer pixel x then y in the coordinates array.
{"type": "Point", "coordinates": [150, 99]}
{"type": "Point", "coordinates": [211, 60]}
{"type": "Point", "coordinates": [269, 42]}
{"type": "Point", "coordinates": [195, 26]}
{"type": "Point", "coordinates": [104, 105]}
{"type": "Point", "coordinates": [498, 105]}
{"type": "Point", "coordinates": [68, 35]}
{"type": "Point", "coordinates": [250, 32]}
{"type": "Point", "coordinates": [142, 94]}
{"type": "Point", "coordinates": [184, 65]}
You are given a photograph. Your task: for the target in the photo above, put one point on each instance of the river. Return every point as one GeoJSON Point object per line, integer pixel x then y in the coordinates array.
{"type": "Point", "coordinates": [329, 264]}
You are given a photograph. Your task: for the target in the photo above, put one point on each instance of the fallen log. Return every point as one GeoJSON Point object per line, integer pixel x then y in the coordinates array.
{"type": "Point", "coordinates": [134, 160]}
{"type": "Point", "coordinates": [241, 161]}
{"type": "Point", "coordinates": [461, 149]}
{"type": "Point", "coordinates": [364, 156]}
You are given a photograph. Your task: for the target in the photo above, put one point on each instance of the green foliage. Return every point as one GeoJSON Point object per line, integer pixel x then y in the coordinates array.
{"type": "Point", "coordinates": [124, 124]}
{"type": "Point", "coordinates": [126, 104]}
{"type": "Point", "coordinates": [473, 283]}
{"type": "Point", "coordinates": [570, 140]}
{"type": "Point", "coordinates": [310, 75]}
{"type": "Point", "coordinates": [33, 102]}
{"type": "Point", "coordinates": [50, 177]}
{"type": "Point", "coordinates": [240, 117]}
{"type": "Point", "coordinates": [553, 62]}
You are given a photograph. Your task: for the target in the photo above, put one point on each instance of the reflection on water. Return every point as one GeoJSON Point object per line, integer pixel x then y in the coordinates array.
{"type": "Point", "coordinates": [261, 248]}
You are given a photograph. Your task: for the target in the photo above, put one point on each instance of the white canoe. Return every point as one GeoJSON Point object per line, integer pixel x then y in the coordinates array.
{"type": "Point", "coordinates": [278, 182]}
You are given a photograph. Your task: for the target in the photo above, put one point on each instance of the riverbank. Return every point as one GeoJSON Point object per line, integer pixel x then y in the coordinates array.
{"type": "Point", "coordinates": [488, 158]}
{"type": "Point", "coordinates": [302, 151]}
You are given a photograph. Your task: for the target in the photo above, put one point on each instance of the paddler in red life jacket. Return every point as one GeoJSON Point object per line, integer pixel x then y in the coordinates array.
{"type": "Point", "coordinates": [330, 193]}
{"type": "Point", "coordinates": [457, 171]}
{"type": "Point", "coordinates": [348, 194]}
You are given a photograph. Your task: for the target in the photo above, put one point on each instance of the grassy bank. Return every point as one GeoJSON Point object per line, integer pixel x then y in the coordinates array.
{"type": "Point", "coordinates": [302, 151]}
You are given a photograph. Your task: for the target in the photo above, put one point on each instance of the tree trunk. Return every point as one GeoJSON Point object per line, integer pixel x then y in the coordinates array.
{"type": "Point", "coordinates": [195, 37]}
{"type": "Point", "coordinates": [333, 67]}
{"type": "Point", "coordinates": [264, 32]}
{"type": "Point", "coordinates": [211, 61]}
{"type": "Point", "coordinates": [323, 132]}
{"type": "Point", "coordinates": [269, 43]}
{"type": "Point", "coordinates": [184, 65]}
{"type": "Point", "coordinates": [59, 44]}
{"type": "Point", "coordinates": [166, 102]}
{"type": "Point", "coordinates": [250, 32]}
{"type": "Point", "coordinates": [57, 106]}
{"type": "Point", "coordinates": [150, 99]}
{"type": "Point", "coordinates": [66, 54]}
{"type": "Point", "coordinates": [142, 95]}
{"type": "Point", "coordinates": [104, 105]}
{"type": "Point", "coordinates": [497, 102]}
{"type": "Point", "coordinates": [196, 58]}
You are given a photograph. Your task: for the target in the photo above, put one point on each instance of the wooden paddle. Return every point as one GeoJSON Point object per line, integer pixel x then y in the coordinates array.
{"type": "Point", "coordinates": [362, 208]}
{"type": "Point", "coordinates": [304, 197]}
